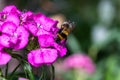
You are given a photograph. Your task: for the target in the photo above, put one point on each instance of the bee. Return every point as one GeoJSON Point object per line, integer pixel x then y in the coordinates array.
{"type": "Point", "coordinates": [64, 31]}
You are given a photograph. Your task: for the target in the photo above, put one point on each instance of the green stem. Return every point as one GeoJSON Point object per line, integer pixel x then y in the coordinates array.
{"type": "Point", "coordinates": [6, 71]}
{"type": "Point", "coordinates": [27, 69]}
{"type": "Point", "coordinates": [43, 73]}
{"type": "Point", "coordinates": [23, 66]}
{"type": "Point", "coordinates": [14, 71]}
{"type": "Point", "coordinates": [1, 74]}
{"type": "Point", "coordinates": [53, 72]}
{"type": "Point", "coordinates": [41, 76]}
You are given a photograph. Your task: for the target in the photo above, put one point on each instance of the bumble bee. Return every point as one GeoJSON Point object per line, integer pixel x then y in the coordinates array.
{"type": "Point", "coordinates": [64, 31]}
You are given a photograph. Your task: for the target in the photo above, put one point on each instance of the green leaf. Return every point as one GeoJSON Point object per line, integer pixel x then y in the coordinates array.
{"type": "Point", "coordinates": [44, 72]}
{"type": "Point", "coordinates": [28, 69]}
{"type": "Point", "coordinates": [13, 72]}
{"type": "Point", "coordinates": [1, 75]}
{"type": "Point", "coordinates": [26, 66]}
{"type": "Point", "coordinates": [73, 44]}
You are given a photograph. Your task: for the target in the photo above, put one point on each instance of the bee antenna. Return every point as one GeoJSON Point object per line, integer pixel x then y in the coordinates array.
{"type": "Point", "coordinates": [69, 21]}
{"type": "Point", "coordinates": [24, 10]}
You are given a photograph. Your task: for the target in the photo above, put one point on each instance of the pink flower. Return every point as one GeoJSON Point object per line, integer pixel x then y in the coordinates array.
{"type": "Point", "coordinates": [39, 24]}
{"type": "Point", "coordinates": [45, 22]}
{"type": "Point", "coordinates": [17, 27]}
{"type": "Point", "coordinates": [48, 41]}
{"type": "Point", "coordinates": [14, 37]}
{"type": "Point", "coordinates": [42, 56]}
{"type": "Point", "coordinates": [22, 78]}
{"type": "Point", "coordinates": [80, 61]}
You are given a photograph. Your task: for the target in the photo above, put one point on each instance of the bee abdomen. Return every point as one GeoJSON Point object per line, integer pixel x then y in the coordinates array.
{"type": "Point", "coordinates": [60, 37]}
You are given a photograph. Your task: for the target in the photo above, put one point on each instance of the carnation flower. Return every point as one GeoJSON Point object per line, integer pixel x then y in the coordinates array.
{"type": "Point", "coordinates": [80, 61]}
{"type": "Point", "coordinates": [17, 28]}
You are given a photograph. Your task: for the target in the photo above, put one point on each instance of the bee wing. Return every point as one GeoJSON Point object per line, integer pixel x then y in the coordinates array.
{"type": "Point", "coordinates": [72, 25]}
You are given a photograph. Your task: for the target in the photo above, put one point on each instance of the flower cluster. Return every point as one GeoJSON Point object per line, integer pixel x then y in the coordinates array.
{"type": "Point", "coordinates": [18, 29]}
{"type": "Point", "coordinates": [79, 61]}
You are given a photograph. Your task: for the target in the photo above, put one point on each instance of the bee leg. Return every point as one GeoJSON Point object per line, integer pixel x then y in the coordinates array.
{"type": "Point", "coordinates": [63, 42]}
{"type": "Point", "coordinates": [57, 40]}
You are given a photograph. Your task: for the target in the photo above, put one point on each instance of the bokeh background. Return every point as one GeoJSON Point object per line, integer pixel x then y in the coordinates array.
{"type": "Point", "coordinates": [97, 33]}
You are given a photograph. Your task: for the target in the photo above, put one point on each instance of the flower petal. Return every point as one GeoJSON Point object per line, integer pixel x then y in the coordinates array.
{"type": "Point", "coordinates": [25, 16]}
{"type": "Point", "coordinates": [1, 47]}
{"type": "Point", "coordinates": [42, 56]}
{"type": "Point", "coordinates": [4, 40]}
{"type": "Point", "coordinates": [62, 49]}
{"type": "Point", "coordinates": [22, 38]}
{"type": "Point", "coordinates": [32, 27]}
{"type": "Point", "coordinates": [11, 8]}
{"type": "Point", "coordinates": [8, 28]}
{"type": "Point", "coordinates": [49, 24]}
{"type": "Point", "coordinates": [39, 18]}
{"type": "Point", "coordinates": [4, 58]}
{"type": "Point", "coordinates": [49, 55]}
{"type": "Point", "coordinates": [14, 38]}
{"type": "Point", "coordinates": [12, 17]}
{"type": "Point", "coordinates": [45, 40]}
{"type": "Point", "coordinates": [31, 59]}
{"type": "Point", "coordinates": [45, 22]}
{"type": "Point", "coordinates": [42, 32]}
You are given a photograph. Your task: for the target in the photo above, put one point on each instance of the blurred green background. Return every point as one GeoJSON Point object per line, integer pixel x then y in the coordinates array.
{"type": "Point", "coordinates": [97, 31]}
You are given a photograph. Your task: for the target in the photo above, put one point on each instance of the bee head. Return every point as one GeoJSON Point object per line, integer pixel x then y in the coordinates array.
{"type": "Point", "coordinates": [68, 24]}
